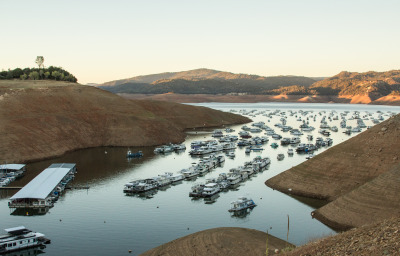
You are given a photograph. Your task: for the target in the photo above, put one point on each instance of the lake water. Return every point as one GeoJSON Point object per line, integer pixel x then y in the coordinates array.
{"type": "Point", "coordinates": [103, 220]}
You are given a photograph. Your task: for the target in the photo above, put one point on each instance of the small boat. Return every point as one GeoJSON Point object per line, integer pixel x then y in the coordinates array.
{"type": "Point", "coordinates": [130, 154]}
{"type": "Point", "coordinates": [247, 150]}
{"type": "Point", "coordinates": [241, 204]}
{"type": "Point", "coordinates": [274, 145]}
{"type": "Point", "coordinates": [231, 154]}
{"type": "Point", "coordinates": [19, 238]}
{"type": "Point", "coordinates": [290, 151]}
{"type": "Point", "coordinates": [280, 157]}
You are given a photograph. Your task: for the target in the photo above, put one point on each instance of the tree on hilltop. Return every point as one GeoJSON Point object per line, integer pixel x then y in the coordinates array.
{"type": "Point", "coordinates": [39, 61]}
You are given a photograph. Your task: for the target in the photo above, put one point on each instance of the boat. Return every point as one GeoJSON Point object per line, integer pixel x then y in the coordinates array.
{"type": "Point", "coordinates": [130, 154]}
{"type": "Point", "coordinates": [280, 157]}
{"type": "Point", "coordinates": [231, 154]}
{"type": "Point", "coordinates": [247, 150]}
{"type": "Point", "coordinates": [241, 204]}
{"type": "Point", "coordinates": [274, 145]}
{"type": "Point", "coordinates": [210, 189]}
{"type": "Point", "coordinates": [19, 238]}
{"type": "Point", "coordinates": [290, 151]}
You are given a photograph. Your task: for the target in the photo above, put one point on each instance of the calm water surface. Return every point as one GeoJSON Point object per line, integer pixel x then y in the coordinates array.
{"type": "Point", "coordinates": [104, 221]}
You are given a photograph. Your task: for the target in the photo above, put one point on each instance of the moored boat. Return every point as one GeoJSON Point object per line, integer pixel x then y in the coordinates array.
{"type": "Point", "coordinates": [19, 238]}
{"type": "Point", "coordinates": [241, 204]}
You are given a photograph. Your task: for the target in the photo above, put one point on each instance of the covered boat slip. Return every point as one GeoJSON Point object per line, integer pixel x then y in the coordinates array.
{"type": "Point", "coordinates": [41, 191]}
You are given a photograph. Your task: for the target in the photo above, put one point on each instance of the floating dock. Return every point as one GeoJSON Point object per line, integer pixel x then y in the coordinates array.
{"type": "Point", "coordinates": [45, 188]}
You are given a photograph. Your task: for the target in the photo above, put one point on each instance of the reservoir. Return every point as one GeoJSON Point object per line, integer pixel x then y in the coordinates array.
{"type": "Point", "coordinates": [102, 220]}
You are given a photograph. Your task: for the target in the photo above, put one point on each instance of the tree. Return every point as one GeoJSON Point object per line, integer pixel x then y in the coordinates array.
{"type": "Point", "coordinates": [39, 61]}
{"type": "Point", "coordinates": [56, 75]}
{"type": "Point", "coordinates": [24, 77]}
{"type": "Point", "coordinates": [34, 75]}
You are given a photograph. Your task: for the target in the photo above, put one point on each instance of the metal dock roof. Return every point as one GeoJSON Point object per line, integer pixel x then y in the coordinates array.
{"type": "Point", "coordinates": [11, 166]}
{"type": "Point", "coordinates": [42, 185]}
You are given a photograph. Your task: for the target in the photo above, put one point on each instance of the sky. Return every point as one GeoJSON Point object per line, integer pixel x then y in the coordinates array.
{"type": "Point", "coordinates": [101, 40]}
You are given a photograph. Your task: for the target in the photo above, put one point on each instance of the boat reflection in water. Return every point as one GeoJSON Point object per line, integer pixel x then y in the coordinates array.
{"type": "Point", "coordinates": [242, 213]}
{"type": "Point", "coordinates": [30, 211]}
{"type": "Point", "coordinates": [212, 199]}
{"type": "Point", "coordinates": [143, 195]}
{"type": "Point", "coordinates": [25, 252]}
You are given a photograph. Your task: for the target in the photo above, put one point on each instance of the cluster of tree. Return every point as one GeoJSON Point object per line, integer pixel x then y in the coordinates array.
{"type": "Point", "coordinates": [50, 73]}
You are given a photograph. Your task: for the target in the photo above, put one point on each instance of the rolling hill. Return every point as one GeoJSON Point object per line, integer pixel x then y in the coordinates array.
{"type": "Point", "coordinates": [203, 81]}
{"type": "Point", "coordinates": [43, 119]}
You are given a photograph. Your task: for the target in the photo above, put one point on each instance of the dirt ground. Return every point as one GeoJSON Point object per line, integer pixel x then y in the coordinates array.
{"type": "Point", "coordinates": [222, 241]}
{"type": "Point", "coordinates": [44, 119]}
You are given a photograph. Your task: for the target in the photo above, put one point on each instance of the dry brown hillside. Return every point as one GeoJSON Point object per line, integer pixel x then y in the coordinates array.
{"type": "Point", "coordinates": [358, 175]}
{"type": "Point", "coordinates": [221, 241]}
{"type": "Point", "coordinates": [45, 118]}
{"type": "Point", "coordinates": [381, 238]}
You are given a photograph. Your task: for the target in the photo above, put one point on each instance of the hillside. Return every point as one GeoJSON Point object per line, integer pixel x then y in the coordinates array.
{"type": "Point", "coordinates": [202, 81]}
{"type": "Point", "coordinates": [221, 241]}
{"type": "Point", "coordinates": [42, 119]}
{"type": "Point", "coordinates": [372, 85]}
{"type": "Point", "coordinates": [356, 176]}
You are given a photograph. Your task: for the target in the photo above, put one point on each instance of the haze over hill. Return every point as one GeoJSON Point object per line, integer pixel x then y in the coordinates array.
{"type": "Point", "coordinates": [42, 119]}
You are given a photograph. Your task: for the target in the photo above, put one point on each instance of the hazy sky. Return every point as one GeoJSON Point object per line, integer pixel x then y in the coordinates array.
{"type": "Point", "coordinates": [100, 40]}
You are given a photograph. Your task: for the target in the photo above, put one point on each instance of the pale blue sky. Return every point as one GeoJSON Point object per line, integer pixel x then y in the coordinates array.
{"type": "Point", "coordinates": [100, 40]}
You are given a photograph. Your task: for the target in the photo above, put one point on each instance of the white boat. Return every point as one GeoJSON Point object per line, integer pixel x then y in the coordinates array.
{"type": "Point", "coordinates": [233, 179]}
{"type": "Point", "coordinates": [19, 238]}
{"type": "Point", "coordinates": [290, 151]}
{"type": "Point", "coordinates": [241, 204]}
{"type": "Point", "coordinates": [210, 189]}
{"type": "Point", "coordinates": [231, 154]}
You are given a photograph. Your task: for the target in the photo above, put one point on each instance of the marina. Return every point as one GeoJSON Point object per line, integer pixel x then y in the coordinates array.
{"type": "Point", "coordinates": [111, 222]}
{"type": "Point", "coordinates": [45, 188]}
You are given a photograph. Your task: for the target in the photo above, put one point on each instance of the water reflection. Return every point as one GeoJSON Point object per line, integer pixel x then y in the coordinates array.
{"type": "Point", "coordinates": [242, 213]}
{"type": "Point", "coordinates": [25, 252]}
{"type": "Point", "coordinates": [30, 211]}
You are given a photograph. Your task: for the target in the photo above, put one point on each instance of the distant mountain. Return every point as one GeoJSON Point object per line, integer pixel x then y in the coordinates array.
{"type": "Point", "coordinates": [203, 81]}
{"type": "Point", "coordinates": [371, 84]}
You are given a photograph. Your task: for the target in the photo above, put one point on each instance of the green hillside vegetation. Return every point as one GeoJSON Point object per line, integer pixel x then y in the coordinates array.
{"type": "Point", "coordinates": [50, 73]}
{"type": "Point", "coordinates": [203, 81]}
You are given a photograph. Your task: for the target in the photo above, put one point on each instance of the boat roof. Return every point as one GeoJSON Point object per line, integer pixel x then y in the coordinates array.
{"type": "Point", "coordinates": [17, 230]}
{"type": "Point", "coordinates": [11, 166]}
{"type": "Point", "coordinates": [42, 185]}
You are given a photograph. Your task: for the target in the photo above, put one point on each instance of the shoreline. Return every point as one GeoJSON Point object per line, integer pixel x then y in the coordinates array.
{"type": "Point", "coordinates": [201, 98]}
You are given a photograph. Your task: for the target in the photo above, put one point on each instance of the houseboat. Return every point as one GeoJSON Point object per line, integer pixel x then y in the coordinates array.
{"type": "Point", "coordinates": [19, 238]}
{"type": "Point", "coordinates": [241, 204]}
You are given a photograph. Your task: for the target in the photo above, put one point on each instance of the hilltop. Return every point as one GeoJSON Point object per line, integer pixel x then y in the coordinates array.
{"type": "Point", "coordinates": [43, 119]}
{"type": "Point", "coordinates": [359, 177]}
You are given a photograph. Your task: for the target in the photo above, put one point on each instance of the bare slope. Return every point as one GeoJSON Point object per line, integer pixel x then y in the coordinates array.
{"type": "Point", "coordinates": [382, 238]}
{"type": "Point", "coordinates": [221, 241]}
{"type": "Point", "coordinates": [346, 166]}
{"type": "Point", "coordinates": [376, 200]}
{"type": "Point", "coordinates": [45, 119]}
{"type": "Point", "coordinates": [360, 176]}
